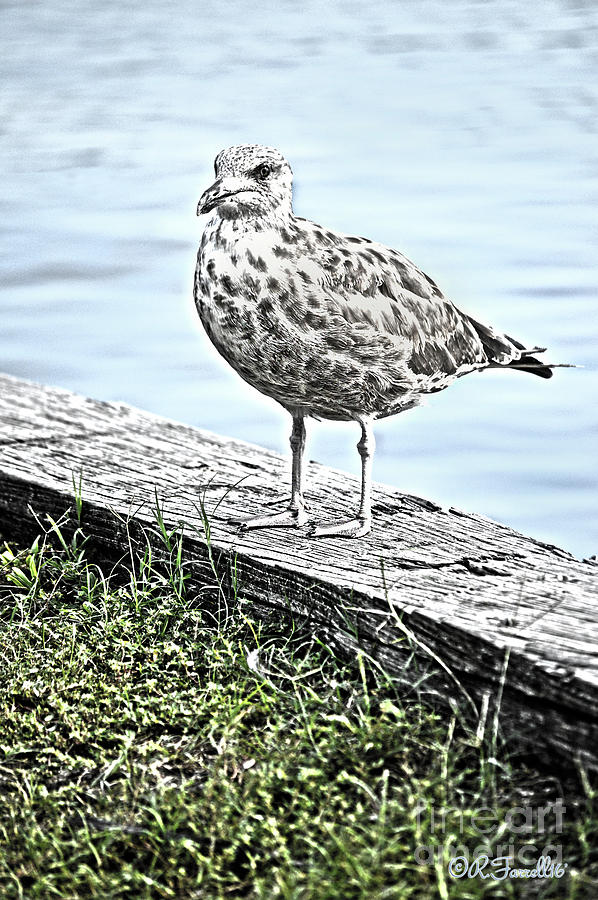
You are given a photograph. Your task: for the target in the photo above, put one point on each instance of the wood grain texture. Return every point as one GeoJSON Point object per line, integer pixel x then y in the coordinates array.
{"type": "Point", "coordinates": [446, 596]}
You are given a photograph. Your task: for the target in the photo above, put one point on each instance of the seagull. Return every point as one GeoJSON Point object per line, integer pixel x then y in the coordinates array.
{"type": "Point", "coordinates": [329, 325]}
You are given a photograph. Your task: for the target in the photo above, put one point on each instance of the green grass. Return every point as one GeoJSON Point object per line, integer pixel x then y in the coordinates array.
{"type": "Point", "coordinates": [154, 743]}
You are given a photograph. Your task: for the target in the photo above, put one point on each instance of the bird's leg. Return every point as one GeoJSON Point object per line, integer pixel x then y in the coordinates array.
{"type": "Point", "coordinates": [297, 442]}
{"type": "Point", "coordinates": [294, 516]}
{"type": "Point", "coordinates": [362, 524]}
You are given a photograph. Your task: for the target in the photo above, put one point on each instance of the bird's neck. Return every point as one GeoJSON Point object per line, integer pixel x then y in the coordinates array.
{"type": "Point", "coordinates": [224, 229]}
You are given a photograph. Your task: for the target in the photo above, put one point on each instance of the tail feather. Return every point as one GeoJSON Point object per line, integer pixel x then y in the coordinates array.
{"type": "Point", "coordinates": [527, 364]}
{"type": "Point", "coordinates": [499, 349]}
{"type": "Point", "coordinates": [535, 366]}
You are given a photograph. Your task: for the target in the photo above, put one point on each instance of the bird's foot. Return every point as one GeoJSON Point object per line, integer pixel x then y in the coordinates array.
{"type": "Point", "coordinates": [289, 518]}
{"type": "Point", "coordinates": [354, 528]}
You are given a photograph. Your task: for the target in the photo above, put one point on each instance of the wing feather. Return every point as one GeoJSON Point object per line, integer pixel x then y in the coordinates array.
{"type": "Point", "coordinates": [382, 294]}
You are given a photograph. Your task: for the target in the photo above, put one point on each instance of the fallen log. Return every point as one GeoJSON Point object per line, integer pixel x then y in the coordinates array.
{"type": "Point", "coordinates": [462, 610]}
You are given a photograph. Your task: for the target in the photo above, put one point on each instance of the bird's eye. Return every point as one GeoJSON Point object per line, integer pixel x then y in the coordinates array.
{"type": "Point", "coordinates": [264, 170]}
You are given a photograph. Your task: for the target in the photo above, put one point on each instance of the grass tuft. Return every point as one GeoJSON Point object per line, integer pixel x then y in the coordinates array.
{"type": "Point", "coordinates": [150, 748]}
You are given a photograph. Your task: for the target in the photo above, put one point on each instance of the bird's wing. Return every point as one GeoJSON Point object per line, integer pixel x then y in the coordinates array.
{"type": "Point", "coordinates": [379, 291]}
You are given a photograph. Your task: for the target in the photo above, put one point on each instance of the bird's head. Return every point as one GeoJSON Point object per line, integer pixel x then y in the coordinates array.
{"type": "Point", "coordinates": [251, 181]}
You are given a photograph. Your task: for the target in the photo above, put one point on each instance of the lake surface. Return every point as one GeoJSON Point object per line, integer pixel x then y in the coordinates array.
{"type": "Point", "coordinates": [462, 133]}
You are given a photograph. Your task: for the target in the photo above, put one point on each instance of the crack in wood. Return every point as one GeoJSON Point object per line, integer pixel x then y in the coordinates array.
{"type": "Point", "coordinates": [56, 438]}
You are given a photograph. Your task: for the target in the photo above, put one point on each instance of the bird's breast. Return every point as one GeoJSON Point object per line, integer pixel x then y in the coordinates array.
{"type": "Point", "coordinates": [244, 288]}
{"type": "Point", "coordinates": [235, 271]}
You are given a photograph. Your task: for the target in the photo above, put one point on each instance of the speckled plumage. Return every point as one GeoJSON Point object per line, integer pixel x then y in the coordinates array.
{"type": "Point", "coordinates": [329, 325]}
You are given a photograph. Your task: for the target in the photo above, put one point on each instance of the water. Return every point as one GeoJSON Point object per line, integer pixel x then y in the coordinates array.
{"type": "Point", "coordinates": [463, 133]}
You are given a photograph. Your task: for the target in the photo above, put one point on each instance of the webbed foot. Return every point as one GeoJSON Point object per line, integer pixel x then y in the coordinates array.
{"type": "Point", "coordinates": [289, 518]}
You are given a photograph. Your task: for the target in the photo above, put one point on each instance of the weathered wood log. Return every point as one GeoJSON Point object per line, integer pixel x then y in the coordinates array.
{"type": "Point", "coordinates": [478, 609]}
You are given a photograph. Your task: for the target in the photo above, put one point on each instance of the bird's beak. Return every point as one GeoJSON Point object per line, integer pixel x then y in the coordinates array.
{"type": "Point", "coordinates": [219, 191]}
